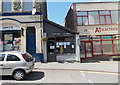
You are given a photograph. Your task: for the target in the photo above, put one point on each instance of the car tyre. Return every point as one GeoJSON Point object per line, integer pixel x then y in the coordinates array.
{"type": "Point", "coordinates": [19, 75]}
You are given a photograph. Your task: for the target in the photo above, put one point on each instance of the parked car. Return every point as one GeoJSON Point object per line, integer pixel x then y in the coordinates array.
{"type": "Point", "coordinates": [16, 64]}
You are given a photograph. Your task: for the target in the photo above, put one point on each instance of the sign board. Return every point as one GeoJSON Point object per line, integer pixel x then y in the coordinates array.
{"type": "Point", "coordinates": [9, 27]}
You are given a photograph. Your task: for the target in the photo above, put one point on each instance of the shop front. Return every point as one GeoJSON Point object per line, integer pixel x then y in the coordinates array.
{"type": "Point", "coordinates": [61, 43]}
{"type": "Point", "coordinates": [10, 37]}
{"type": "Point", "coordinates": [99, 41]}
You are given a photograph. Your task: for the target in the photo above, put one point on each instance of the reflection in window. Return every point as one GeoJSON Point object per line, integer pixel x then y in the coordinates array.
{"type": "Point", "coordinates": [96, 47]}
{"type": "Point", "coordinates": [117, 46]}
{"type": "Point", "coordinates": [104, 12]}
{"type": "Point", "coordinates": [114, 15]}
{"type": "Point", "coordinates": [6, 6]}
{"type": "Point", "coordinates": [107, 47]}
{"type": "Point", "coordinates": [81, 13]}
{"type": "Point", "coordinates": [27, 5]}
{"type": "Point", "coordinates": [93, 18]}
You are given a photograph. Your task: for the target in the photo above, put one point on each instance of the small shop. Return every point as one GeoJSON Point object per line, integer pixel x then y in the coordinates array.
{"type": "Point", "coordinates": [103, 41]}
{"type": "Point", "coordinates": [10, 37]}
{"type": "Point", "coordinates": [61, 43]}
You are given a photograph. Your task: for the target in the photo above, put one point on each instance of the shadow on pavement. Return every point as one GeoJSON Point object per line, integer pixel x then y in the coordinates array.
{"type": "Point", "coordinates": [35, 75]}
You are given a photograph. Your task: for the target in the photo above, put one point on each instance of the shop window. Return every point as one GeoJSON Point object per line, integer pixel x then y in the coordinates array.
{"type": "Point", "coordinates": [106, 37]}
{"type": "Point", "coordinates": [93, 17]}
{"type": "Point", "coordinates": [107, 47]}
{"type": "Point", "coordinates": [114, 15]}
{"type": "Point", "coordinates": [117, 46]}
{"type": "Point", "coordinates": [27, 5]}
{"type": "Point", "coordinates": [82, 49]}
{"type": "Point", "coordinates": [105, 17]}
{"type": "Point", "coordinates": [6, 5]}
{"type": "Point", "coordinates": [96, 48]}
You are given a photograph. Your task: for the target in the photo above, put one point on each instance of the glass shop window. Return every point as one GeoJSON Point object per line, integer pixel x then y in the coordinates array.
{"type": "Point", "coordinates": [17, 41]}
{"type": "Point", "coordinates": [117, 46]}
{"type": "Point", "coordinates": [27, 5]}
{"type": "Point", "coordinates": [65, 47]}
{"type": "Point", "coordinates": [96, 48]}
{"type": "Point", "coordinates": [93, 18]}
{"type": "Point", "coordinates": [107, 47]}
{"type": "Point", "coordinates": [6, 5]}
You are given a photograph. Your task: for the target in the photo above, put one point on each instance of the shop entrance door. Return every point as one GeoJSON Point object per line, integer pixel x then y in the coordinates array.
{"type": "Point", "coordinates": [51, 51]}
{"type": "Point", "coordinates": [88, 49]}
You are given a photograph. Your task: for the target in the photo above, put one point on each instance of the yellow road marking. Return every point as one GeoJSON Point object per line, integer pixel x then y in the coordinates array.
{"type": "Point", "coordinates": [101, 72]}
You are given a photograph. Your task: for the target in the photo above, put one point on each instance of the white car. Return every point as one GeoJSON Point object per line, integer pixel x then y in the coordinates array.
{"type": "Point", "coordinates": [16, 64]}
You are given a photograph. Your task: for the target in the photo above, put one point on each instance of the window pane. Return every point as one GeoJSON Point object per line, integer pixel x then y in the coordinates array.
{"type": "Point", "coordinates": [84, 38]}
{"type": "Point", "coordinates": [81, 13]}
{"type": "Point", "coordinates": [2, 56]}
{"type": "Point", "coordinates": [107, 19]}
{"type": "Point", "coordinates": [12, 58]}
{"type": "Point", "coordinates": [104, 12]}
{"type": "Point", "coordinates": [114, 15]}
{"type": "Point", "coordinates": [79, 20]}
{"type": "Point", "coordinates": [6, 6]}
{"type": "Point", "coordinates": [82, 49]}
{"type": "Point", "coordinates": [106, 37]}
{"type": "Point", "coordinates": [93, 18]}
{"type": "Point", "coordinates": [102, 20]}
{"type": "Point", "coordinates": [95, 37]}
{"type": "Point", "coordinates": [85, 21]}
{"type": "Point", "coordinates": [117, 46]}
{"type": "Point", "coordinates": [96, 48]}
{"type": "Point", "coordinates": [27, 6]}
{"type": "Point", "coordinates": [107, 47]}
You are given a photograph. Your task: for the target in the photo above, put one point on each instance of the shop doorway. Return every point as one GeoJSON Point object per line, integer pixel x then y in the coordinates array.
{"type": "Point", "coordinates": [51, 51]}
{"type": "Point", "coordinates": [88, 49]}
{"type": "Point", "coordinates": [31, 41]}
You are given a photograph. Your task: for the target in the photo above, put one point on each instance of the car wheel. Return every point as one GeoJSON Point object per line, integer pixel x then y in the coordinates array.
{"type": "Point", "coordinates": [19, 75]}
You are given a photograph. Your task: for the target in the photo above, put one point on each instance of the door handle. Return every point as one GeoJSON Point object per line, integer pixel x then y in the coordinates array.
{"type": "Point", "coordinates": [1, 64]}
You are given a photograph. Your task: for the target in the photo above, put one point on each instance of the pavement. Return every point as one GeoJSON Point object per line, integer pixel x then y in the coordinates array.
{"type": "Point", "coordinates": [102, 66]}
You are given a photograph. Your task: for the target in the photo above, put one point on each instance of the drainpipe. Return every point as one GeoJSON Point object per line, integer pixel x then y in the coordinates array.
{"type": "Point", "coordinates": [45, 48]}
{"type": "Point", "coordinates": [78, 48]}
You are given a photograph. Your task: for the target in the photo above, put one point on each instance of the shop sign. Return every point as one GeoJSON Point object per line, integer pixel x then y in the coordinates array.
{"type": "Point", "coordinates": [9, 27]}
{"type": "Point", "coordinates": [100, 29]}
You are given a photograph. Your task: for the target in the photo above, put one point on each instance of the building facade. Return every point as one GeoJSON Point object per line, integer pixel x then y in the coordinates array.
{"type": "Point", "coordinates": [97, 24]}
{"type": "Point", "coordinates": [19, 29]}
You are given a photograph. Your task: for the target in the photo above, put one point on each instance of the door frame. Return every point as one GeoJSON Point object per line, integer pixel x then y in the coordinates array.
{"type": "Point", "coordinates": [85, 50]}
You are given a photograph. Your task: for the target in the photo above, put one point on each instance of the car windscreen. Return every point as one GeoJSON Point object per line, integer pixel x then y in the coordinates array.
{"type": "Point", "coordinates": [28, 57]}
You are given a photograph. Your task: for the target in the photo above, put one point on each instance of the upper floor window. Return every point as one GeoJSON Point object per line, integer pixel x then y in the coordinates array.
{"type": "Point", "coordinates": [82, 18]}
{"type": "Point", "coordinates": [27, 5]}
{"type": "Point", "coordinates": [6, 5]}
{"type": "Point", "coordinates": [105, 17]}
{"type": "Point", "coordinates": [114, 15]}
{"type": "Point", "coordinates": [93, 17]}
{"type": "Point", "coordinates": [97, 17]}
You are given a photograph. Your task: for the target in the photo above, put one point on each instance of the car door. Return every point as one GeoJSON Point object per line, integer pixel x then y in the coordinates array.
{"type": "Point", "coordinates": [2, 57]}
{"type": "Point", "coordinates": [12, 62]}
